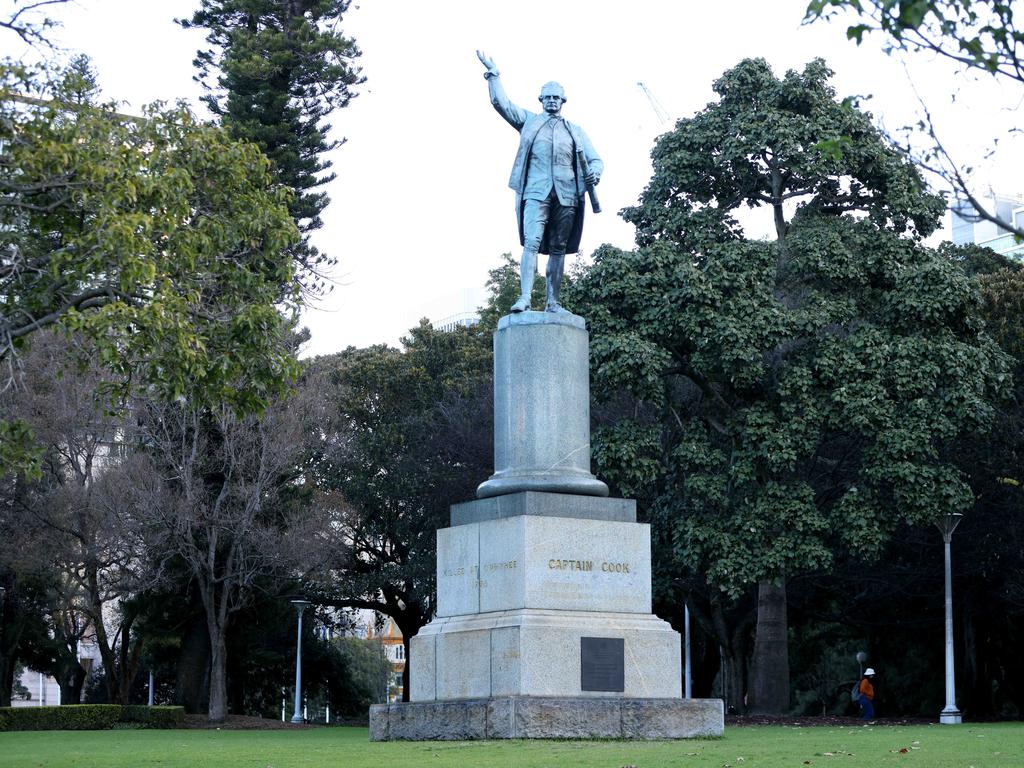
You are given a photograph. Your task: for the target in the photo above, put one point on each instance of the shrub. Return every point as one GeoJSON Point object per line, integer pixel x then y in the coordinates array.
{"type": "Point", "coordinates": [153, 717]}
{"type": "Point", "coordinates": [88, 717]}
{"type": "Point", "coordinates": [81, 717]}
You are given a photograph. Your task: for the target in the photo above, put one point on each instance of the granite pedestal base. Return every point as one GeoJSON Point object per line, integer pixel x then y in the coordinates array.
{"type": "Point", "coordinates": [532, 652]}
{"type": "Point", "coordinates": [534, 717]}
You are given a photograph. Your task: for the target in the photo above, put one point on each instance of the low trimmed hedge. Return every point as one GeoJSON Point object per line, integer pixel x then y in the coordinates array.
{"type": "Point", "coordinates": [153, 717]}
{"type": "Point", "coordinates": [88, 717]}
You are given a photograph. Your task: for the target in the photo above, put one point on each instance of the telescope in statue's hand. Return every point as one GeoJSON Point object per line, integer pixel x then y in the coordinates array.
{"type": "Point", "coordinates": [594, 204]}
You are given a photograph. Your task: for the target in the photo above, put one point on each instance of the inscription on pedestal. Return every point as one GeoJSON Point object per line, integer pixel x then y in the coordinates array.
{"type": "Point", "coordinates": [543, 562]}
{"type": "Point", "coordinates": [603, 664]}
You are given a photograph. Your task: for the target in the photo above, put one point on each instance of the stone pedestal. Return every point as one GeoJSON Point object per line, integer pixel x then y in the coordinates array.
{"type": "Point", "coordinates": [541, 406]}
{"type": "Point", "coordinates": [544, 626]}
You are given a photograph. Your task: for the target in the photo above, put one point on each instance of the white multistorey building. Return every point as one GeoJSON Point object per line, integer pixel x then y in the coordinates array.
{"type": "Point", "coordinates": [461, 320]}
{"type": "Point", "coordinates": [969, 228]}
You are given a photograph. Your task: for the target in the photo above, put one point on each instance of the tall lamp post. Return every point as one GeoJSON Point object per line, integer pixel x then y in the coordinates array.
{"type": "Point", "coordinates": [300, 606]}
{"type": "Point", "coordinates": [950, 714]}
{"type": "Point", "coordinates": [688, 678]}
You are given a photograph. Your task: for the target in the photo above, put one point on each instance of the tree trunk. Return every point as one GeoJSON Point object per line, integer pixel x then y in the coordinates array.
{"type": "Point", "coordinates": [705, 659]}
{"type": "Point", "coordinates": [71, 682]}
{"type": "Point", "coordinates": [405, 669]}
{"type": "Point", "coordinates": [108, 657]}
{"type": "Point", "coordinates": [218, 675]}
{"type": "Point", "coordinates": [11, 627]}
{"type": "Point", "coordinates": [130, 658]}
{"type": "Point", "coordinates": [6, 679]}
{"type": "Point", "coordinates": [733, 654]}
{"type": "Point", "coordinates": [192, 686]}
{"type": "Point", "coordinates": [409, 626]}
{"type": "Point", "coordinates": [769, 689]}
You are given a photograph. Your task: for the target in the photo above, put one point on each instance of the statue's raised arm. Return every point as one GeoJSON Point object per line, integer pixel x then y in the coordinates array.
{"type": "Point", "coordinates": [553, 170]}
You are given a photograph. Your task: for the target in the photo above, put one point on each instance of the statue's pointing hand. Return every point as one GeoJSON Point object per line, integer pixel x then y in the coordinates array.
{"type": "Point", "coordinates": [492, 70]}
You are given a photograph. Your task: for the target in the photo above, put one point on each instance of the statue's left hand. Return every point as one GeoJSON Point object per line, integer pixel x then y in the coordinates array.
{"type": "Point", "coordinates": [592, 179]}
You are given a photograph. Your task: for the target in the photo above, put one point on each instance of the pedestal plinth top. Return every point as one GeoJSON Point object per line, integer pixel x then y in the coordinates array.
{"type": "Point", "coordinates": [537, 504]}
{"type": "Point", "coordinates": [542, 318]}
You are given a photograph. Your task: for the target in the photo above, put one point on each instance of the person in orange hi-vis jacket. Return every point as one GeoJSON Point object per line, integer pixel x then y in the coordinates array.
{"type": "Point", "coordinates": [867, 694]}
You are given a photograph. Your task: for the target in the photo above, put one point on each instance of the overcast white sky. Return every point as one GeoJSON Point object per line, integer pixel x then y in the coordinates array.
{"type": "Point", "coordinates": [420, 209]}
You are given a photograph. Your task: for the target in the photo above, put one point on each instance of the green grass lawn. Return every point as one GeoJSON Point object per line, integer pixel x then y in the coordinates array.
{"type": "Point", "coordinates": [924, 746]}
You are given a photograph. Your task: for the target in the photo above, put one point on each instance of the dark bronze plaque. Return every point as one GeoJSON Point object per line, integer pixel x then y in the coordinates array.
{"type": "Point", "coordinates": [603, 666]}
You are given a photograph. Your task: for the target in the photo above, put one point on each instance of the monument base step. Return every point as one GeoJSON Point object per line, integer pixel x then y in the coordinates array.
{"type": "Point", "coordinates": [535, 717]}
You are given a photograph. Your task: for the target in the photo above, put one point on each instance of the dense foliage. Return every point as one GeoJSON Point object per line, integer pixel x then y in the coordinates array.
{"type": "Point", "coordinates": [160, 240]}
{"type": "Point", "coordinates": [796, 396]}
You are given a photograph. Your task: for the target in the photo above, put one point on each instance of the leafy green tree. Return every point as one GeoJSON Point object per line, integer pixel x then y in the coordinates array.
{"type": "Point", "coordinates": [160, 240]}
{"type": "Point", "coordinates": [794, 394]}
{"type": "Point", "coordinates": [405, 433]}
{"type": "Point", "coordinates": [978, 34]}
{"type": "Point", "coordinates": [275, 71]}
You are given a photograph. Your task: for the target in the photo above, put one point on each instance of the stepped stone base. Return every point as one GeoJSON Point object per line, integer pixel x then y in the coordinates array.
{"type": "Point", "coordinates": [535, 653]}
{"type": "Point", "coordinates": [532, 717]}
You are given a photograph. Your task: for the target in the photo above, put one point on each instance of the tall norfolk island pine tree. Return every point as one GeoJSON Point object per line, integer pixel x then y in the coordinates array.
{"type": "Point", "coordinates": [796, 396]}
{"type": "Point", "coordinates": [275, 70]}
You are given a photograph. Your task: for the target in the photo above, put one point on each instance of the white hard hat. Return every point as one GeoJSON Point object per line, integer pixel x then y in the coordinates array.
{"type": "Point", "coordinates": [868, 672]}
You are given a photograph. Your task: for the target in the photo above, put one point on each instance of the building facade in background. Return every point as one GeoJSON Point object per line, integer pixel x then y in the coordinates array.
{"type": "Point", "coordinates": [968, 228]}
{"type": "Point", "coordinates": [461, 320]}
{"type": "Point", "coordinates": [393, 644]}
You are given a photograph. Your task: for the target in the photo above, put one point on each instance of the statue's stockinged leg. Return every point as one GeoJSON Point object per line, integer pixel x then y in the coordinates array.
{"type": "Point", "coordinates": [556, 264]}
{"type": "Point", "coordinates": [527, 270]}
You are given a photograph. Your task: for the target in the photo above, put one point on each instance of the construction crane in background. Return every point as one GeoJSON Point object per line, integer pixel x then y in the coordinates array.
{"type": "Point", "coordinates": [655, 104]}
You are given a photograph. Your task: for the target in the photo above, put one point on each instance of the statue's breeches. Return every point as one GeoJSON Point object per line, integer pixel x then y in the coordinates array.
{"type": "Point", "coordinates": [547, 222]}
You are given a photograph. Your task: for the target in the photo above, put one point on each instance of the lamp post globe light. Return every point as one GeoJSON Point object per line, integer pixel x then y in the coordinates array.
{"type": "Point", "coordinates": [950, 715]}
{"type": "Point", "coordinates": [300, 606]}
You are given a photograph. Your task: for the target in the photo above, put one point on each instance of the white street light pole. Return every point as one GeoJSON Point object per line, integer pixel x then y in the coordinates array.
{"type": "Point", "coordinates": [950, 715]}
{"type": "Point", "coordinates": [688, 679]}
{"type": "Point", "coordinates": [300, 606]}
